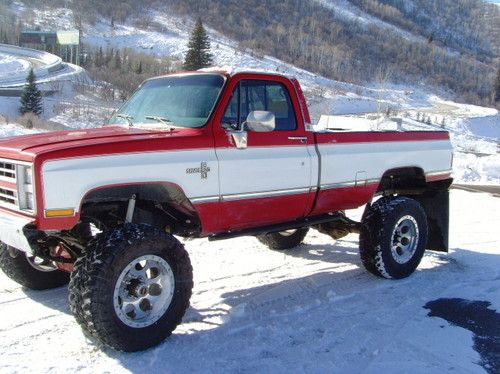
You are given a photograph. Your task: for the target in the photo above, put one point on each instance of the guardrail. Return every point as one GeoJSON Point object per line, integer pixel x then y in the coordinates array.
{"type": "Point", "coordinates": [51, 63]}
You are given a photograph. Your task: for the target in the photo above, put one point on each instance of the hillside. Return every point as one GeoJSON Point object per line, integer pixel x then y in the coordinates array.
{"type": "Point", "coordinates": [447, 44]}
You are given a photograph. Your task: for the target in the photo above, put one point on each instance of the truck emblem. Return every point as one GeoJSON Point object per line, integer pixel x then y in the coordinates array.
{"type": "Point", "coordinates": [203, 170]}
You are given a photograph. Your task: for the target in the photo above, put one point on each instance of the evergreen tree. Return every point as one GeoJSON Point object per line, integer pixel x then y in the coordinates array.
{"type": "Point", "coordinates": [118, 60]}
{"type": "Point", "coordinates": [198, 55]}
{"type": "Point", "coordinates": [99, 58]}
{"type": "Point", "coordinates": [496, 92]}
{"type": "Point", "coordinates": [138, 68]}
{"type": "Point", "coordinates": [31, 97]}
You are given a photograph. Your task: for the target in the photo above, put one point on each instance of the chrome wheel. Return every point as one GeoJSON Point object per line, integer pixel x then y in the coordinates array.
{"type": "Point", "coordinates": [40, 264]}
{"type": "Point", "coordinates": [144, 291]}
{"type": "Point", "coordinates": [404, 239]}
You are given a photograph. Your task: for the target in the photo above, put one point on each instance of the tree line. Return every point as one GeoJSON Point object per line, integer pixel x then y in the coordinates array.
{"type": "Point", "coordinates": [125, 68]}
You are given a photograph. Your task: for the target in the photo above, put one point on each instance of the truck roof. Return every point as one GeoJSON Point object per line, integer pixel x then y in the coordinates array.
{"type": "Point", "coordinates": [231, 71]}
{"type": "Point", "coordinates": [228, 72]}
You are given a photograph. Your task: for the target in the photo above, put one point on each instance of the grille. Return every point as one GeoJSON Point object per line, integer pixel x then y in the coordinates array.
{"type": "Point", "coordinates": [7, 171]}
{"type": "Point", "coordinates": [8, 196]}
{"type": "Point", "coordinates": [16, 185]}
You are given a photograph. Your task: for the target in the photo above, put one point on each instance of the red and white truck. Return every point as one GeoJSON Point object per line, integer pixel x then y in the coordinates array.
{"type": "Point", "coordinates": [206, 154]}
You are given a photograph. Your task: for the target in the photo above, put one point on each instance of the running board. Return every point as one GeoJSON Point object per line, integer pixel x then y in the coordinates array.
{"type": "Point", "coordinates": [343, 221]}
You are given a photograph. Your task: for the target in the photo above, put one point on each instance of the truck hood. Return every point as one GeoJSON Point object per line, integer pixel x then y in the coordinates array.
{"type": "Point", "coordinates": [26, 147]}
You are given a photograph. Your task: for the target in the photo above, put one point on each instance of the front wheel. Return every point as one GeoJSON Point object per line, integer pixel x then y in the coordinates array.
{"type": "Point", "coordinates": [31, 271]}
{"type": "Point", "coordinates": [393, 237]}
{"type": "Point", "coordinates": [132, 288]}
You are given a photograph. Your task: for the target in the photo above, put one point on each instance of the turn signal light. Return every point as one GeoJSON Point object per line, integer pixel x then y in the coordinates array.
{"type": "Point", "coordinates": [59, 213]}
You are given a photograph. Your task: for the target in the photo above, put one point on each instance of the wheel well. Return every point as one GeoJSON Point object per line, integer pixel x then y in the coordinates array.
{"type": "Point", "coordinates": [433, 196]}
{"type": "Point", "coordinates": [162, 205]}
{"type": "Point", "coordinates": [408, 178]}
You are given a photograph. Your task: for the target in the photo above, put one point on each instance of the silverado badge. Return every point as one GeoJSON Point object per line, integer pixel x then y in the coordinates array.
{"type": "Point", "coordinates": [203, 170]}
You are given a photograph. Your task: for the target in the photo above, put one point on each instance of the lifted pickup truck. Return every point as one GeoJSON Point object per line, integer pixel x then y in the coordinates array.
{"type": "Point", "coordinates": [206, 154]}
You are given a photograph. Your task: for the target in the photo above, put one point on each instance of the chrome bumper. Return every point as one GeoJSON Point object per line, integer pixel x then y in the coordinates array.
{"type": "Point", "coordinates": [11, 231]}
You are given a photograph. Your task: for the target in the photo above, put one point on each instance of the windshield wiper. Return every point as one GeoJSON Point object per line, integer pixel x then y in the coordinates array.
{"type": "Point", "coordinates": [127, 118]}
{"type": "Point", "coordinates": [163, 120]}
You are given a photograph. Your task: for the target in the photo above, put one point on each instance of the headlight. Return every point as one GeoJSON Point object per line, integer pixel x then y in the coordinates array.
{"type": "Point", "coordinates": [28, 176]}
{"type": "Point", "coordinates": [29, 201]}
{"type": "Point", "coordinates": [25, 187]}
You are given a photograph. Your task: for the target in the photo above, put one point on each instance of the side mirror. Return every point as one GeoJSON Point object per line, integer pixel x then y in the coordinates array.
{"type": "Point", "coordinates": [261, 121]}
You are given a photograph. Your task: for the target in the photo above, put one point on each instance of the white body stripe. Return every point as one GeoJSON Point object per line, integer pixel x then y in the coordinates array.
{"type": "Point", "coordinates": [259, 169]}
{"type": "Point", "coordinates": [240, 171]}
{"type": "Point", "coordinates": [65, 182]}
{"type": "Point", "coordinates": [341, 163]}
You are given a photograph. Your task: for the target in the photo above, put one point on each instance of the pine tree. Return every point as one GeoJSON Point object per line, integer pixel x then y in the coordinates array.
{"type": "Point", "coordinates": [496, 92]}
{"type": "Point", "coordinates": [198, 55]}
{"type": "Point", "coordinates": [99, 58]}
{"type": "Point", "coordinates": [138, 68]}
{"type": "Point", "coordinates": [118, 60]}
{"type": "Point", "coordinates": [31, 97]}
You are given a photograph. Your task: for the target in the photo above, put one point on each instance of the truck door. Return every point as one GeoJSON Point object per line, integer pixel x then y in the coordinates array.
{"type": "Point", "coordinates": [268, 179]}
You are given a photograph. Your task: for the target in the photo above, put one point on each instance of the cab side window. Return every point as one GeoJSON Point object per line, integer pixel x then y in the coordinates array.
{"type": "Point", "coordinates": [252, 95]}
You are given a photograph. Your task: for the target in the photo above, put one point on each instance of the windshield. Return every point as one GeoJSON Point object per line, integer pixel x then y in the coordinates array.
{"type": "Point", "coordinates": [184, 101]}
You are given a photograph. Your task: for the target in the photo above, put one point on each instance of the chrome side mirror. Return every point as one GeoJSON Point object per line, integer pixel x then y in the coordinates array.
{"type": "Point", "coordinates": [261, 121]}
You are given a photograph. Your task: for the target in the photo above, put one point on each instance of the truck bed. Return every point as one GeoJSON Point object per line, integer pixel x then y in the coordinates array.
{"type": "Point", "coordinates": [352, 164]}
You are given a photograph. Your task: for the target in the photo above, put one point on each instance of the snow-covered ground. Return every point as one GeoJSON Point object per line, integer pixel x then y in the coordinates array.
{"type": "Point", "coordinates": [11, 65]}
{"type": "Point", "coordinates": [311, 310]}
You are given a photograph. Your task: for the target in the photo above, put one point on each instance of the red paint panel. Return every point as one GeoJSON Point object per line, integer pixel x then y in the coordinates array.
{"type": "Point", "coordinates": [302, 101]}
{"type": "Point", "coordinates": [106, 140]}
{"type": "Point", "coordinates": [57, 223]}
{"type": "Point", "coordinates": [241, 214]}
{"type": "Point", "coordinates": [386, 136]}
{"type": "Point", "coordinates": [439, 177]}
{"type": "Point", "coordinates": [209, 217]}
{"type": "Point", "coordinates": [336, 199]}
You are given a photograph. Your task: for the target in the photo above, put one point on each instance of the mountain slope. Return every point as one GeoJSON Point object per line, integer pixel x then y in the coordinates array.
{"type": "Point", "coordinates": [319, 37]}
{"type": "Point", "coordinates": [449, 44]}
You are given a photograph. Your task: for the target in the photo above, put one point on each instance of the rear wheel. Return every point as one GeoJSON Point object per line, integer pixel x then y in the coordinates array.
{"type": "Point", "coordinates": [132, 288]}
{"type": "Point", "coordinates": [393, 237]}
{"type": "Point", "coordinates": [283, 240]}
{"type": "Point", "coordinates": [31, 271]}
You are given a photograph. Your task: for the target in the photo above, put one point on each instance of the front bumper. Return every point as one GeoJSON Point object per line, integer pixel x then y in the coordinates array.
{"type": "Point", "coordinates": [11, 231]}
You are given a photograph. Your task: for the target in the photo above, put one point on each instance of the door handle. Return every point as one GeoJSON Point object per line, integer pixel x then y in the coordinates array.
{"type": "Point", "coordinates": [302, 139]}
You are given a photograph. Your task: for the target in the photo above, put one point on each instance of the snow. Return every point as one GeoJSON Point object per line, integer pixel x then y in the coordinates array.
{"type": "Point", "coordinates": [487, 126]}
{"type": "Point", "coordinates": [344, 9]}
{"type": "Point", "coordinates": [313, 309]}
{"type": "Point", "coordinates": [11, 66]}
{"type": "Point", "coordinates": [13, 129]}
